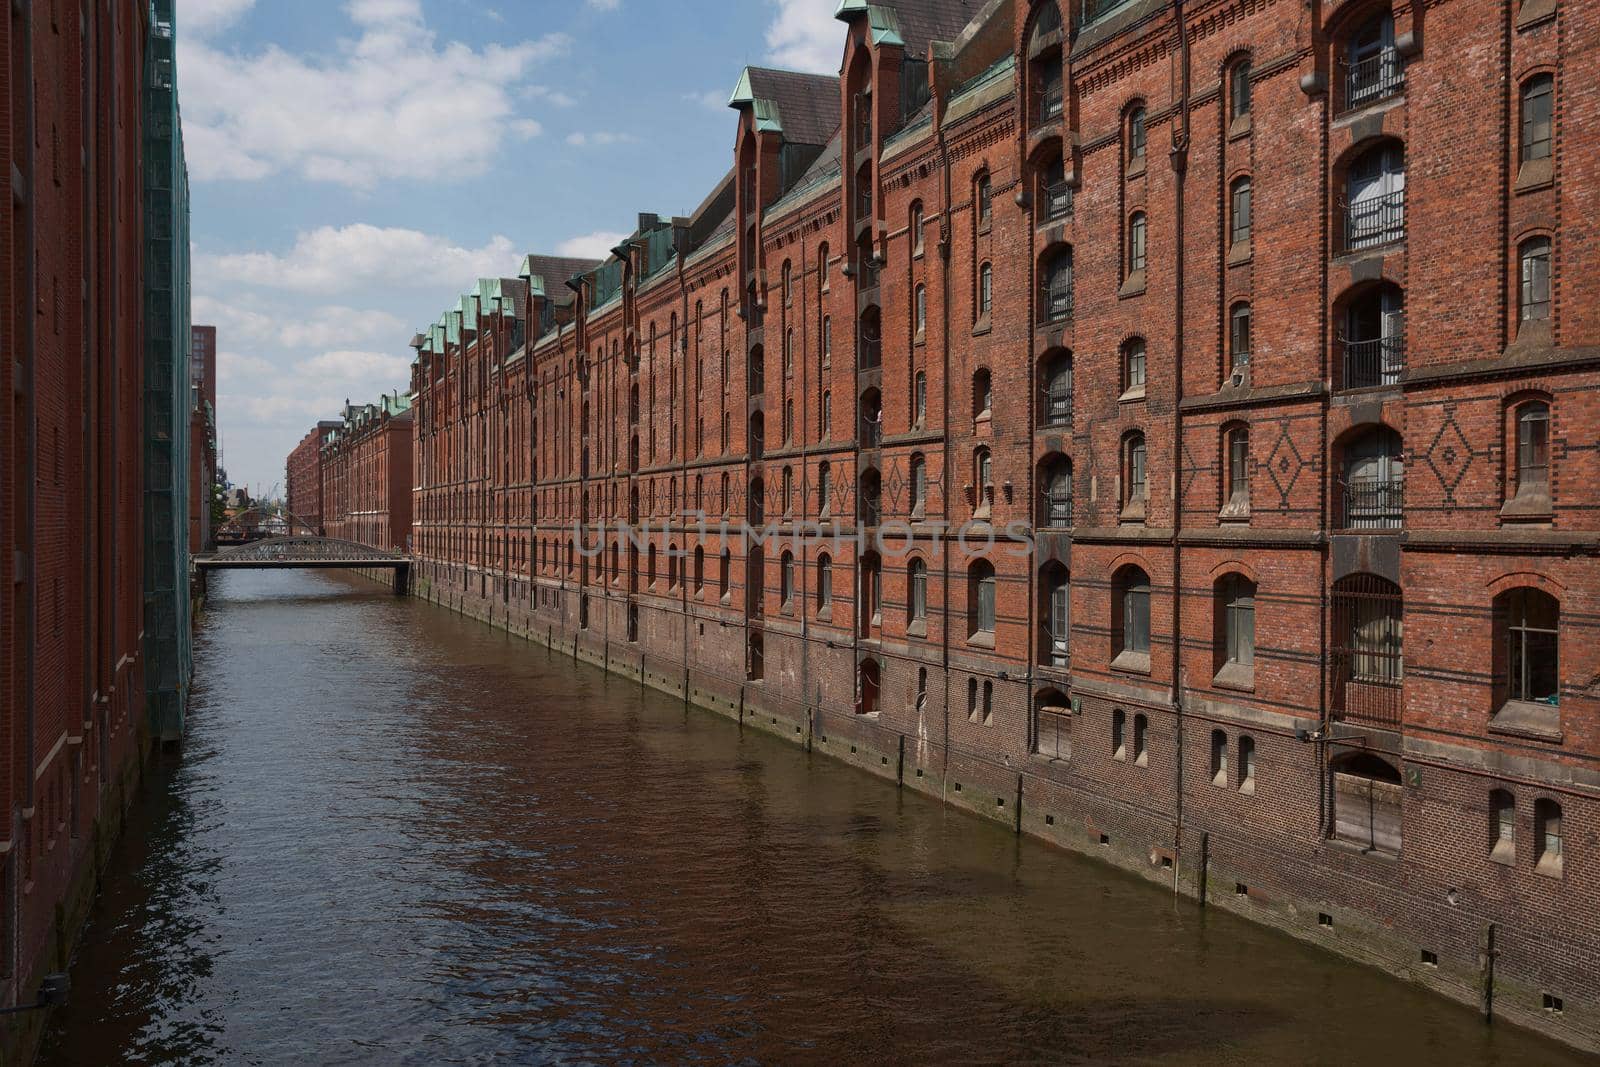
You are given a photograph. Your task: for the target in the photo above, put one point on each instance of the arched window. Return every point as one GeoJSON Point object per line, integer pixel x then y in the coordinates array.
{"type": "Point", "coordinates": [1240, 213]}
{"type": "Point", "coordinates": [917, 592]}
{"type": "Point", "coordinates": [983, 479]}
{"type": "Point", "coordinates": [827, 340]}
{"type": "Point", "coordinates": [871, 418]}
{"type": "Point", "coordinates": [1533, 256]}
{"type": "Point", "coordinates": [699, 568]}
{"type": "Point", "coordinates": [1051, 96]}
{"type": "Point", "coordinates": [1056, 616]}
{"type": "Point", "coordinates": [1134, 472]}
{"type": "Point", "coordinates": [824, 582]}
{"type": "Point", "coordinates": [788, 283]}
{"type": "Point", "coordinates": [1538, 108]}
{"type": "Point", "coordinates": [1136, 243]}
{"type": "Point", "coordinates": [1373, 68]}
{"type": "Point", "coordinates": [1239, 90]}
{"type": "Point", "coordinates": [788, 352]}
{"type": "Point", "coordinates": [1235, 623]}
{"type": "Point", "coordinates": [1374, 481]}
{"type": "Point", "coordinates": [1055, 487]}
{"type": "Point", "coordinates": [1136, 138]}
{"type": "Point", "coordinates": [980, 598]}
{"type": "Point", "coordinates": [870, 601]}
{"type": "Point", "coordinates": [983, 195]}
{"type": "Point", "coordinates": [985, 290]}
{"type": "Point", "coordinates": [919, 401]}
{"type": "Point", "coordinates": [1530, 619]}
{"type": "Point", "coordinates": [822, 269]}
{"type": "Point", "coordinates": [1247, 764]}
{"type": "Point", "coordinates": [786, 580]}
{"type": "Point", "coordinates": [1367, 803]}
{"type": "Point", "coordinates": [1368, 653]}
{"type": "Point", "coordinates": [916, 227]}
{"type": "Point", "coordinates": [1119, 734]}
{"type": "Point", "coordinates": [1533, 450]}
{"type": "Point", "coordinates": [756, 505]}
{"type": "Point", "coordinates": [788, 490]}
{"type": "Point", "coordinates": [1239, 337]}
{"type": "Point", "coordinates": [1055, 278]}
{"type": "Point", "coordinates": [1055, 380]}
{"type": "Point", "coordinates": [919, 485]}
{"type": "Point", "coordinates": [1502, 826]}
{"type": "Point", "coordinates": [825, 414]}
{"type": "Point", "coordinates": [1236, 473]}
{"type": "Point", "coordinates": [1374, 337]}
{"type": "Point", "coordinates": [650, 566]}
{"type": "Point", "coordinates": [919, 315]}
{"type": "Point", "coordinates": [1131, 614]}
{"type": "Point", "coordinates": [870, 491]}
{"type": "Point", "coordinates": [824, 489]}
{"type": "Point", "coordinates": [1055, 195]}
{"type": "Point", "coordinates": [982, 393]}
{"type": "Point", "coordinates": [1375, 197]}
{"type": "Point", "coordinates": [871, 333]}
{"type": "Point", "coordinates": [1219, 758]}
{"type": "Point", "coordinates": [1548, 841]}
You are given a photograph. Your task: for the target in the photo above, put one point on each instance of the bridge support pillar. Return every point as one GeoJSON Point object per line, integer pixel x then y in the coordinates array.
{"type": "Point", "coordinates": [402, 576]}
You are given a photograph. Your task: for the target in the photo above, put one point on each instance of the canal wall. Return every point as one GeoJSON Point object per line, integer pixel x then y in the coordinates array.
{"type": "Point", "coordinates": [1176, 829]}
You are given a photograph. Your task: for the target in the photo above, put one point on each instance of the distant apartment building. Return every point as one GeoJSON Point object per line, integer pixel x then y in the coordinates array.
{"type": "Point", "coordinates": [303, 478]}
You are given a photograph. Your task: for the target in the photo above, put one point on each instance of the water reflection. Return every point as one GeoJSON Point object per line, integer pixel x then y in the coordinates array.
{"type": "Point", "coordinates": [397, 836]}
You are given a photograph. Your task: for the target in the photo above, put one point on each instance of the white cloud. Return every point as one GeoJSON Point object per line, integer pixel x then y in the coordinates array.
{"type": "Point", "coordinates": [363, 113]}
{"type": "Point", "coordinates": [331, 368]}
{"type": "Point", "coordinates": [200, 18]}
{"type": "Point", "coordinates": [603, 5]}
{"type": "Point", "coordinates": [231, 365]}
{"type": "Point", "coordinates": [359, 256]}
{"type": "Point", "coordinates": [554, 97]}
{"type": "Point", "coordinates": [715, 99]}
{"type": "Point", "coordinates": [804, 35]}
{"type": "Point", "coordinates": [581, 138]}
{"type": "Point", "coordinates": [595, 245]}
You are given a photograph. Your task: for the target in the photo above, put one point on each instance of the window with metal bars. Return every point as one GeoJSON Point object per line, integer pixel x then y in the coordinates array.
{"type": "Point", "coordinates": [1368, 634]}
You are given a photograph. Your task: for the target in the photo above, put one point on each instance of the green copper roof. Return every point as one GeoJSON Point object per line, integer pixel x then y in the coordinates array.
{"type": "Point", "coordinates": [883, 22]}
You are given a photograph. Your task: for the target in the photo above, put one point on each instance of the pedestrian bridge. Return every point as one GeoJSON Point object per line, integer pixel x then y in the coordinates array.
{"type": "Point", "coordinates": [301, 551]}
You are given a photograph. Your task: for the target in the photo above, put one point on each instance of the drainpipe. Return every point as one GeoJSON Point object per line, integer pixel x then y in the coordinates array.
{"type": "Point", "coordinates": [30, 381]}
{"type": "Point", "coordinates": [93, 630]}
{"type": "Point", "coordinates": [945, 286]}
{"type": "Point", "coordinates": [1180, 165]}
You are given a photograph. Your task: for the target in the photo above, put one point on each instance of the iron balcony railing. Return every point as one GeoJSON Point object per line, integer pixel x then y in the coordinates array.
{"type": "Point", "coordinates": [1057, 200]}
{"type": "Point", "coordinates": [1379, 75]}
{"type": "Point", "coordinates": [1057, 507]}
{"type": "Point", "coordinates": [1376, 221]}
{"type": "Point", "coordinates": [1373, 503]}
{"type": "Point", "coordinates": [1052, 736]}
{"type": "Point", "coordinates": [1378, 361]}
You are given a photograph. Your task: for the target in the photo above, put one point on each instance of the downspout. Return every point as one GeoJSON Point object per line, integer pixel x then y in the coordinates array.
{"type": "Point", "coordinates": [94, 631]}
{"type": "Point", "coordinates": [946, 235]}
{"type": "Point", "coordinates": [30, 459]}
{"type": "Point", "coordinates": [1180, 164]}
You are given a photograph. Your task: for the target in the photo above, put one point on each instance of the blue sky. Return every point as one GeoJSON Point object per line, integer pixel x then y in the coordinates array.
{"type": "Point", "coordinates": [354, 165]}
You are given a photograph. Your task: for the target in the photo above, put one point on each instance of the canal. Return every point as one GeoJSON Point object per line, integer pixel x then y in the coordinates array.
{"type": "Point", "coordinates": [397, 836]}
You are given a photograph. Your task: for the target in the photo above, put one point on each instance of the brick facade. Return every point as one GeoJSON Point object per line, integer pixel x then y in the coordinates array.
{"type": "Point", "coordinates": [365, 469]}
{"type": "Point", "coordinates": [1302, 614]}
{"type": "Point", "coordinates": [303, 478]}
{"type": "Point", "coordinates": [73, 543]}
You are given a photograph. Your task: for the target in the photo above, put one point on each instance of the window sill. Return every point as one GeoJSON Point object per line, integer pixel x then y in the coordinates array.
{"type": "Point", "coordinates": [1235, 512]}
{"type": "Point", "coordinates": [1239, 676]}
{"type": "Point", "coordinates": [1131, 395]}
{"type": "Point", "coordinates": [1239, 127]}
{"type": "Point", "coordinates": [917, 629]}
{"type": "Point", "coordinates": [1534, 333]}
{"type": "Point", "coordinates": [1549, 866]}
{"type": "Point", "coordinates": [981, 327]}
{"type": "Point", "coordinates": [1534, 12]}
{"type": "Point", "coordinates": [985, 226]}
{"type": "Point", "coordinates": [1134, 286]}
{"type": "Point", "coordinates": [981, 639]}
{"type": "Point", "coordinates": [825, 614]}
{"type": "Point", "coordinates": [1136, 167]}
{"type": "Point", "coordinates": [1532, 505]}
{"type": "Point", "coordinates": [1504, 853]}
{"type": "Point", "coordinates": [1133, 511]}
{"type": "Point", "coordinates": [1248, 787]}
{"type": "Point", "coordinates": [1133, 662]}
{"type": "Point", "coordinates": [1535, 174]}
{"type": "Point", "coordinates": [1239, 253]}
{"type": "Point", "coordinates": [1520, 718]}
{"type": "Point", "coordinates": [920, 339]}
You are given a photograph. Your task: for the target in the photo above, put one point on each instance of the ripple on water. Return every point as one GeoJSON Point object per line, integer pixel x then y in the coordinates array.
{"type": "Point", "coordinates": [396, 836]}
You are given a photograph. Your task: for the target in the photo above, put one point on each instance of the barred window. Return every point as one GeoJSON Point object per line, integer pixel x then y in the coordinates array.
{"type": "Point", "coordinates": [1538, 106]}
{"type": "Point", "coordinates": [1535, 263]}
{"type": "Point", "coordinates": [980, 589]}
{"type": "Point", "coordinates": [917, 601]}
{"type": "Point", "coordinates": [1132, 628]}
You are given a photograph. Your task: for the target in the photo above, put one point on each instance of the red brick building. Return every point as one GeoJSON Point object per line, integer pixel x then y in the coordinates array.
{"type": "Point", "coordinates": [1128, 484]}
{"type": "Point", "coordinates": [203, 434]}
{"type": "Point", "coordinates": [78, 278]}
{"type": "Point", "coordinates": [366, 474]}
{"type": "Point", "coordinates": [303, 477]}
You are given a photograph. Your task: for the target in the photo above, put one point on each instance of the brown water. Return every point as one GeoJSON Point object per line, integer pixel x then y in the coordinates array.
{"type": "Point", "coordinates": [397, 836]}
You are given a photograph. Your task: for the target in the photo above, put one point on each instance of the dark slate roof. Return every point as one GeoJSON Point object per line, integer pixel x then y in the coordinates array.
{"type": "Point", "coordinates": [715, 211]}
{"type": "Point", "coordinates": [925, 21]}
{"type": "Point", "coordinates": [808, 104]}
{"type": "Point", "coordinates": [556, 270]}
